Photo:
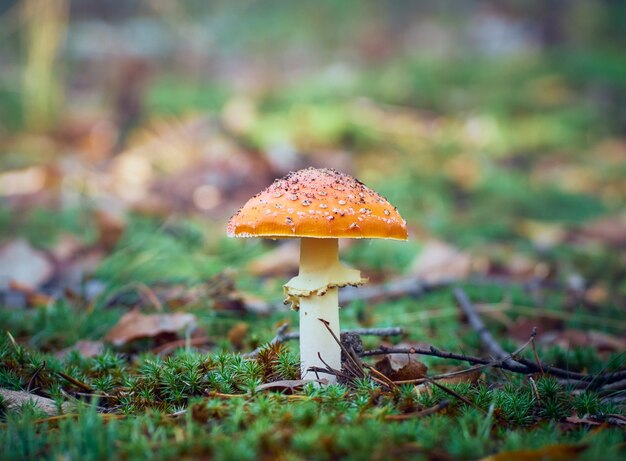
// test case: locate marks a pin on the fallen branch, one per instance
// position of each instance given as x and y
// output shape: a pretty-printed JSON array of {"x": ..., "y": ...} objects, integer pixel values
[
  {"x": 282, "y": 336},
  {"x": 521, "y": 365},
  {"x": 529, "y": 366},
  {"x": 503, "y": 360},
  {"x": 407, "y": 286},
  {"x": 494, "y": 348},
  {"x": 414, "y": 286}
]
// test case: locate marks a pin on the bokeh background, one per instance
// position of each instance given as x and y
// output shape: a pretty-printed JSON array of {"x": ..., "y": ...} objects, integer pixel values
[{"x": 130, "y": 132}]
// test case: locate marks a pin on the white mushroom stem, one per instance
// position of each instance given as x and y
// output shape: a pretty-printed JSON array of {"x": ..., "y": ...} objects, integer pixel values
[
  {"x": 314, "y": 293},
  {"x": 316, "y": 343},
  {"x": 314, "y": 336}
]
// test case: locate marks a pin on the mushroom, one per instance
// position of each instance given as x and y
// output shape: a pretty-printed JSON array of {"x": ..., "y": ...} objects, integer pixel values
[{"x": 319, "y": 206}]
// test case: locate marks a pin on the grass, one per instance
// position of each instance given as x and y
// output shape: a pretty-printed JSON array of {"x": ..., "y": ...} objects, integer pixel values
[
  {"x": 192, "y": 404},
  {"x": 488, "y": 169}
]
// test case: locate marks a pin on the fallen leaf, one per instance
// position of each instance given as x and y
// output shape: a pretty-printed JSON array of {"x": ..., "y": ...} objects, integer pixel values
[
  {"x": 281, "y": 261},
  {"x": 111, "y": 226},
  {"x": 571, "y": 338},
  {"x": 33, "y": 297},
  {"x": 438, "y": 262},
  {"x": 554, "y": 452},
  {"x": 86, "y": 348},
  {"x": 14, "y": 400},
  {"x": 135, "y": 325},
  {"x": 469, "y": 377},
  {"x": 413, "y": 369},
  {"x": 66, "y": 246},
  {"x": 241, "y": 302},
  {"x": 193, "y": 341},
  {"x": 73, "y": 272},
  {"x": 21, "y": 182},
  {"x": 21, "y": 263},
  {"x": 400, "y": 360},
  {"x": 610, "y": 230},
  {"x": 384, "y": 366},
  {"x": 237, "y": 334},
  {"x": 522, "y": 328}
]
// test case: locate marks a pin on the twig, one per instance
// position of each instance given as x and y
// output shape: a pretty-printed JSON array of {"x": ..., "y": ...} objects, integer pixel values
[
  {"x": 390, "y": 331},
  {"x": 414, "y": 286},
  {"x": 382, "y": 378},
  {"x": 432, "y": 351},
  {"x": 75, "y": 382},
  {"x": 407, "y": 286},
  {"x": 535, "y": 350},
  {"x": 419, "y": 414},
  {"x": 534, "y": 387},
  {"x": 282, "y": 336},
  {"x": 35, "y": 374},
  {"x": 471, "y": 369},
  {"x": 494, "y": 348},
  {"x": 594, "y": 380},
  {"x": 613, "y": 387},
  {"x": 528, "y": 366},
  {"x": 449, "y": 391},
  {"x": 338, "y": 341},
  {"x": 144, "y": 289},
  {"x": 521, "y": 365}
]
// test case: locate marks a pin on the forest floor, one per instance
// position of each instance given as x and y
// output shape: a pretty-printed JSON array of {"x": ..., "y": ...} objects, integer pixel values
[{"x": 128, "y": 319}]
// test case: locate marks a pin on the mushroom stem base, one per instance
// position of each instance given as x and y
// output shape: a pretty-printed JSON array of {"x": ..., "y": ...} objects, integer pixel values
[{"x": 314, "y": 336}]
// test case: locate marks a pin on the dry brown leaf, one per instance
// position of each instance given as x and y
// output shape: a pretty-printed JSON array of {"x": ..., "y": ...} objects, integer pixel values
[
  {"x": 610, "y": 230},
  {"x": 33, "y": 297},
  {"x": 241, "y": 302},
  {"x": 523, "y": 327},
  {"x": 555, "y": 452},
  {"x": 14, "y": 400},
  {"x": 135, "y": 325},
  {"x": 439, "y": 262},
  {"x": 469, "y": 377},
  {"x": 85, "y": 347},
  {"x": 26, "y": 181},
  {"x": 66, "y": 246},
  {"x": 73, "y": 271},
  {"x": 237, "y": 334},
  {"x": 412, "y": 369},
  {"x": 24, "y": 265},
  {"x": 111, "y": 226},
  {"x": 283, "y": 260},
  {"x": 571, "y": 338}
]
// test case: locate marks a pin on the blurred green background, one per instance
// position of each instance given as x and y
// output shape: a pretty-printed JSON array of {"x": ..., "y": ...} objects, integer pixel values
[{"x": 131, "y": 131}]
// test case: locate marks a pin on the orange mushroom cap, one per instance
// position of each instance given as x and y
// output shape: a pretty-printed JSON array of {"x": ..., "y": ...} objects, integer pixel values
[{"x": 318, "y": 203}]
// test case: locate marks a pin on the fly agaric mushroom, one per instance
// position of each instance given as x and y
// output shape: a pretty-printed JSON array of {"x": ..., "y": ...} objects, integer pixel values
[{"x": 319, "y": 206}]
